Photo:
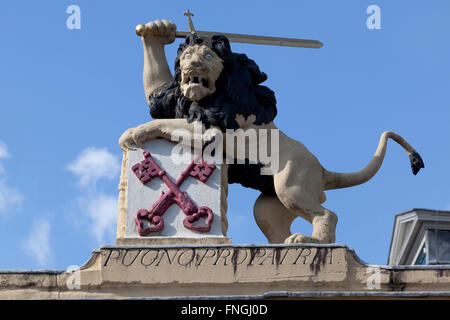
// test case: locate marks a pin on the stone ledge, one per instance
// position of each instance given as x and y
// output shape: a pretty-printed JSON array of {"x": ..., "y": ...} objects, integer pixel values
[
  {"x": 218, "y": 271},
  {"x": 172, "y": 241}
]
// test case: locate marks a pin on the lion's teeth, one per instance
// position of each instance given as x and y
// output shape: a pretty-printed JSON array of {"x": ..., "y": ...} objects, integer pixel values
[{"x": 198, "y": 80}]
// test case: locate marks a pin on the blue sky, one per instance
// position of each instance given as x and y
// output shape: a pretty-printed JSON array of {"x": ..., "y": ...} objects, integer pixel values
[{"x": 66, "y": 96}]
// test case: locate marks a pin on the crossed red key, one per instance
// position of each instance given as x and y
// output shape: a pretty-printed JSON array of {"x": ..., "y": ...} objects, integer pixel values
[{"x": 148, "y": 169}]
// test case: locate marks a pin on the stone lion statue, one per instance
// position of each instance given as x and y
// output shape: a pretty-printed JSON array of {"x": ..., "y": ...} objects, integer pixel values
[{"x": 215, "y": 87}]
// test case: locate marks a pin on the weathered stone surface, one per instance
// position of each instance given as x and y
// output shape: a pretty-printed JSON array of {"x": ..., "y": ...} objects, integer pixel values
[
  {"x": 259, "y": 271},
  {"x": 28, "y": 279},
  {"x": 222, "y": 264}
]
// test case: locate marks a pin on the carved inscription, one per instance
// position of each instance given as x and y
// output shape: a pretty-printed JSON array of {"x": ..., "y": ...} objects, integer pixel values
[{"x": 314, "y": 258}]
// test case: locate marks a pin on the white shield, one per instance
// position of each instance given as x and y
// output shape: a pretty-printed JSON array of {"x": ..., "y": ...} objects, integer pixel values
[{"x": 142, "y": 196}]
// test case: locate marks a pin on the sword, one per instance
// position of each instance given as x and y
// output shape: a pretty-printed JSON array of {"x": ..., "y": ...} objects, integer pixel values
[
  {"x": 243, "y": 38},
  {"x": 246, "y": 38}
]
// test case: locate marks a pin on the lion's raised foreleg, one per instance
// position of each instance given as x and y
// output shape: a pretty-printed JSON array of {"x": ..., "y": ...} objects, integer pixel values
[{"x": 155, "y": 35}]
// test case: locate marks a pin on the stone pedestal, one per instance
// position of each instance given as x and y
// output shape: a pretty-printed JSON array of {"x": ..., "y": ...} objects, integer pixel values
[
  {"x": 136, "y": 194},
  {"x": 228, "y": 271},
  {"x": 222, "y": 266}
]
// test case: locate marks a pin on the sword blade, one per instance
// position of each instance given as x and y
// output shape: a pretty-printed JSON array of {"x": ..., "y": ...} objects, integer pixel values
[{"x": 246, "y": 38}]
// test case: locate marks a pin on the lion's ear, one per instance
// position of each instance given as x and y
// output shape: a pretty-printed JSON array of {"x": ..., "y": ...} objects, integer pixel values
[{"x": 221, "y": 45}]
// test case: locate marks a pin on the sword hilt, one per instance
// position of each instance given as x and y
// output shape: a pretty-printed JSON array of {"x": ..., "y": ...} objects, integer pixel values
[{"x": 191, "y": 25}]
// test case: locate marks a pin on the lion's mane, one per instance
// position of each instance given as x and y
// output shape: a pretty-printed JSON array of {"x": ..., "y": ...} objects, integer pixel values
[{"x": 238, "y": 91}]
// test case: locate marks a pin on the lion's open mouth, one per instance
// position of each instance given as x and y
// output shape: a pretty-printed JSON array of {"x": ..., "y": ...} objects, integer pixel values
[
  {"x": 198, "y": 80},
  {"x": 195, "y": 80},
  {"x": 195, "y": 86}
]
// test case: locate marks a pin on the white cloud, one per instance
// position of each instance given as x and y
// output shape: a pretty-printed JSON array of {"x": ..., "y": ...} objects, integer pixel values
[
  {"x": 102, "y": 213},
  {"x": 93, "y": 164},
  {"x": 99, "y": 209},
  {"x": 3, "y": 150},
  {"x": 3, "y": 154},
  {"x": 9, "y": 197},
  {"x": 37, "y": 244}
]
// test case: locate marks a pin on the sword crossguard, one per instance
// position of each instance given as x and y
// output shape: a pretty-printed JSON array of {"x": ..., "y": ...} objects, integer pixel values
[{"x": 191, "y": 25}]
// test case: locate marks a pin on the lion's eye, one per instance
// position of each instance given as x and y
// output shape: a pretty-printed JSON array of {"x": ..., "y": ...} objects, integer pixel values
[
  {"x": 208, "y": 56},
  {"x": 187, "y": 56}
]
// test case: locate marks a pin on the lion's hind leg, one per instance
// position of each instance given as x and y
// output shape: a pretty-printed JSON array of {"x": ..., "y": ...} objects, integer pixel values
[
  {"x": 273, "y": 218},
  {"x": 324, "y": 227},
  {"x": 301, "y": 192}
]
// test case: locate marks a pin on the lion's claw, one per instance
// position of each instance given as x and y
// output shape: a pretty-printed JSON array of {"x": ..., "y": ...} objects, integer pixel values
[
  {"x": 139, "y": 136},
  {"x": 126, "y": 141},
  {"x": 300, "y": 238},
  {"x": 136, "y": 137}
]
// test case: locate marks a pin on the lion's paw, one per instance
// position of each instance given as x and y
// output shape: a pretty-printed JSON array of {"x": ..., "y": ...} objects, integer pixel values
[
  {"x": 136, "y": 137},
  {"x": 300, "y": 238},
  {"x": 139, "y": 135},
  {"x": 126, "y": 141},
  {"x": 163, "y": 30}
]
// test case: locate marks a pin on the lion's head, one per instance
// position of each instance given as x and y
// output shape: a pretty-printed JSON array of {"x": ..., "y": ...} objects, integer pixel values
[
  {"x": 200, "y": 67},
  {"x": 214, "y": 85}
]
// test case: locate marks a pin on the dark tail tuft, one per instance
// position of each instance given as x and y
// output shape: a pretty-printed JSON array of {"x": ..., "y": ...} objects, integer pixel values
[{"x": 416, "y": 162}]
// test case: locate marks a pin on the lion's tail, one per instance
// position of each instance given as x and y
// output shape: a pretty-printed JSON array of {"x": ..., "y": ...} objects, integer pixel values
[{"x": 335, "y": 180}]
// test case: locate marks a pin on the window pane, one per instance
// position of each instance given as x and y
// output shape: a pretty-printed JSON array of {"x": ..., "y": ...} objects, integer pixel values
[
  {"x": 438, "y": 246},
  {"x": 421, "y": 259}
]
